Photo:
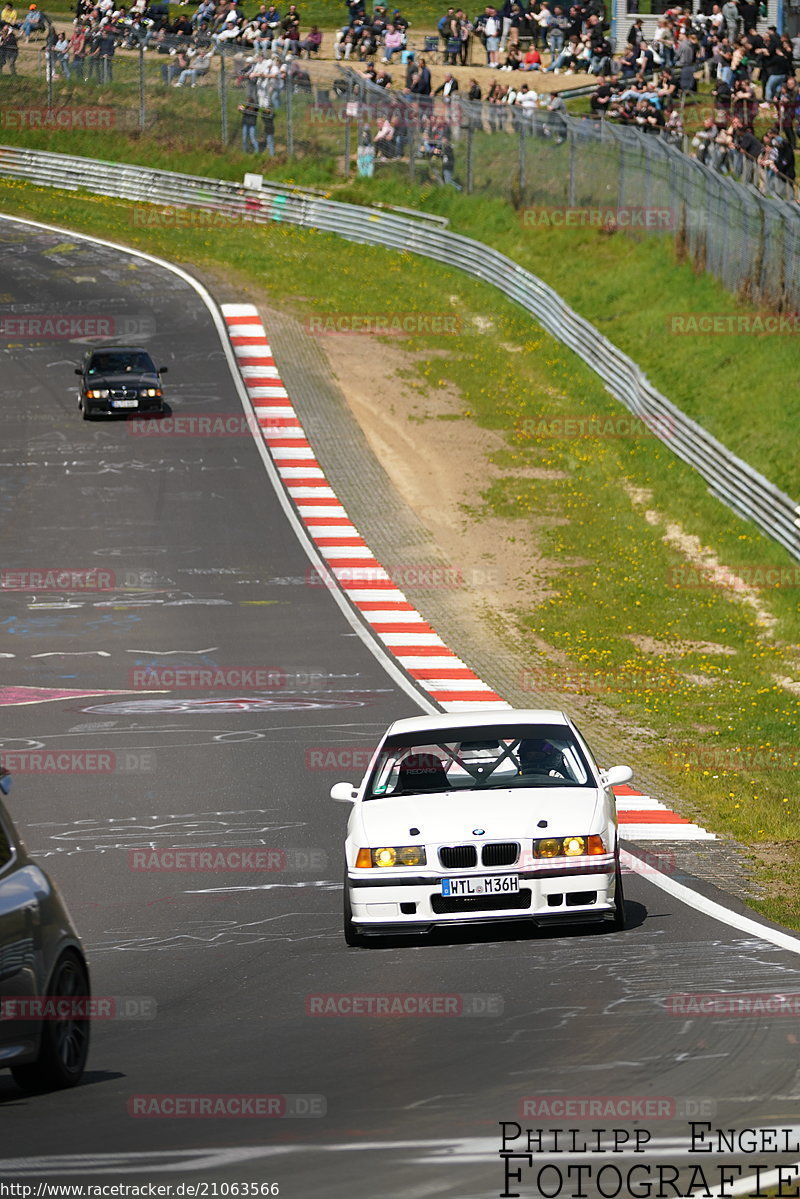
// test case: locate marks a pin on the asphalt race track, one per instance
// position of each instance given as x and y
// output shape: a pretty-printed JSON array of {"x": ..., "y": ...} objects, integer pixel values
[{"x": 202, "y": 569}]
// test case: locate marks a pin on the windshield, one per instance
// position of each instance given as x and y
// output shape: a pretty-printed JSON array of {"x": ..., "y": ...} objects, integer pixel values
[
  {"x": 469, "y": 759},
  {"x": 117, "y": 362}
]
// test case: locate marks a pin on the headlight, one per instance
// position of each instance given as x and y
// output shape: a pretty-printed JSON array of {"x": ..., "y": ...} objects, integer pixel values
[
  {"x": 569, "y": 847},
  {"x": 391, "y": 855},
  {"x": 150, "y": 391},
  {"x": 97, "y": 395}
]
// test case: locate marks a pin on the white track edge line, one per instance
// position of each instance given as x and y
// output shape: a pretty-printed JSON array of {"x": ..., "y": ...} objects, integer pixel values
[{"x": 710, "y": 907}]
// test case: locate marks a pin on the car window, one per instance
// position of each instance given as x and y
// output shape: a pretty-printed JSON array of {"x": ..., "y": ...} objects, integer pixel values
[
  {"x": 112, "y": 362},
  {"x": 452, "y": 760}
]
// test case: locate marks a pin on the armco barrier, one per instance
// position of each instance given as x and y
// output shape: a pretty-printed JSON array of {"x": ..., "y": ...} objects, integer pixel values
[{"x": 734, "y": 482}]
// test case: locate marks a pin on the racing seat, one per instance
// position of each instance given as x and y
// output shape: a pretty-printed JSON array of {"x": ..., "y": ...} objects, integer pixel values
[{"x": 422, "y": 772}]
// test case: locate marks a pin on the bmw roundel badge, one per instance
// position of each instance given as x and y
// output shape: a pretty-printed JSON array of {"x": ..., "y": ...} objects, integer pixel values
[{"x": 478, "y": 832}]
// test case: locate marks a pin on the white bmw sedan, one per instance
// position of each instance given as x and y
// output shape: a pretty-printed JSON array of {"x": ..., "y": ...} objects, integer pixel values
[{"x": 469, "y": 818}]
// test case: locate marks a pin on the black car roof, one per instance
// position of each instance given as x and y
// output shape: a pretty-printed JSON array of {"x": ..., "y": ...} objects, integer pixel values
[{"x": 106, "y": 347}]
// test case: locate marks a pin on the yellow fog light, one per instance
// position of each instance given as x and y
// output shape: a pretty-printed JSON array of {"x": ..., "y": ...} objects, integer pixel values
[
  {"x": 548, "y": 848},
  {"x": 574, "y": 846},
  {"x": 384, "y": 857},
  {"x": 411, "y": 855}
]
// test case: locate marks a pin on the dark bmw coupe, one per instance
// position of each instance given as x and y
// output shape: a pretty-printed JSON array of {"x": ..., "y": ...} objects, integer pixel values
[{"x": 119, "y": 379}]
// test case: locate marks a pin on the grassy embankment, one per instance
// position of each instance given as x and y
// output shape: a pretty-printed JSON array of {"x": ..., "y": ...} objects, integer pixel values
[{"x": 722, "y": 727}]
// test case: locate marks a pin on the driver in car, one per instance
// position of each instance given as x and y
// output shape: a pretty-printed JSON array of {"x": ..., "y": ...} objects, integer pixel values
[{"x": 537, "y": 755}]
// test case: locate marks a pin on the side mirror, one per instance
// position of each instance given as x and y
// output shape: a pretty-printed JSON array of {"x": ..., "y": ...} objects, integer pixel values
[
  {"x": 78, "y": 370},
  {"x": 5, "y": 781},
  {"x": 162, "y": 370},
  {"x": 344, "y": 792},
  {"x": 616, "y": 775}
]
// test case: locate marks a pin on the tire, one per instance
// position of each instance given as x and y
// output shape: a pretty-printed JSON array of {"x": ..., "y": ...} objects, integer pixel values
[
  {"x": 85, "y": 413},
  {"x": 64, "y": 1046},
  {"x": 618, "y": 919},
  {"x": 351, "y": 936}
]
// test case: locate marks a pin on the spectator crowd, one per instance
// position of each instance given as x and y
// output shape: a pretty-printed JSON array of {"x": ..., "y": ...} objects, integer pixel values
[{"x": 751, "y": 129}]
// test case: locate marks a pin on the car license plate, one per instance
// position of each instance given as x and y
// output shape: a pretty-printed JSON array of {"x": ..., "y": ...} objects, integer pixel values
[
  {"x": 124, "y": 403},
  {"x": 488, "y": 884}
]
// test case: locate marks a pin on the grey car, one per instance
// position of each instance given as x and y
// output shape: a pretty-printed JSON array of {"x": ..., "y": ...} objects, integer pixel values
[{"x": 44, "y": 979}]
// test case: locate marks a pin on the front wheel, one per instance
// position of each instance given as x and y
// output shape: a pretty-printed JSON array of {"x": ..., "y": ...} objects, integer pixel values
[
  {"x": 85, "y": 413},
  {"x": 64, "y": 1046},
  {"x": 351, "y": 936}
]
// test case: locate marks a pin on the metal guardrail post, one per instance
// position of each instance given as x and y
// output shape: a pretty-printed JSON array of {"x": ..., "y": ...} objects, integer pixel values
[
  {"x": 142, "y": 113},
  {"x": 571, "y": 182},
  {"x": 289, "y": 117},
  {"x": 347, "y": 131},
  {"x": 412, "y": 149},
  {"x": 470, "y": 132},
  {"x": 522, "y": 163},
  {"x": 223, "y": 99}
]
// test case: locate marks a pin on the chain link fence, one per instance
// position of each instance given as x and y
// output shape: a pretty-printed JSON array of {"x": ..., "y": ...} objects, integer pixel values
[{"x": 555, "y": 169}]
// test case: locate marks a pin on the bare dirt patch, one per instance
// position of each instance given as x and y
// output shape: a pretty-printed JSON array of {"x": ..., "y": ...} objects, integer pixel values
[
  {"x": 439, "y": 466},
  {"x": 678, "y": 648},
  {"x": 714, "y": 573}
]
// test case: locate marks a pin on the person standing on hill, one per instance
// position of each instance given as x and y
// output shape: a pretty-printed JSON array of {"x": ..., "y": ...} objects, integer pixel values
[
  {"x": 249, "y": 111},
  {"x": 730, "y": 13},
  {"x": 421, "y": 82},
  {"x": 268, "y": 129}
]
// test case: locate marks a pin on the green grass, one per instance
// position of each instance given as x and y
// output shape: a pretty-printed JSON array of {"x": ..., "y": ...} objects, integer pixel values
[{"x": 610, "y": 573}]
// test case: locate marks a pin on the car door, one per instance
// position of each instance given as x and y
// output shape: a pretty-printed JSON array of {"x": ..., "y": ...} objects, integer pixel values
[{"x": 19, "y": 920}]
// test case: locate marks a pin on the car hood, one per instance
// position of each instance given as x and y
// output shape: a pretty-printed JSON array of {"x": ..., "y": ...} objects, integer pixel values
[
  {"x": 503, "y": 815},
  {"x": 123, "y": 379}
]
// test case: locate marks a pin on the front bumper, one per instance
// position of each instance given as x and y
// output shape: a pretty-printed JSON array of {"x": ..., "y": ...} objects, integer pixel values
[
  {"x": 550, "y": 895},
  {"x": 151, "y": 405}
]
